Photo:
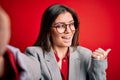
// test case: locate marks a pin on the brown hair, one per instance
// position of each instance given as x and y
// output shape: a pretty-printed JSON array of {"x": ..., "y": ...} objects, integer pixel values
[{"x": 44, "y": 40}]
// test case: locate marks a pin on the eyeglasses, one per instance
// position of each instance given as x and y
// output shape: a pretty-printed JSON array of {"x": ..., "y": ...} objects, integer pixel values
[{"x": 62, "y": 27}]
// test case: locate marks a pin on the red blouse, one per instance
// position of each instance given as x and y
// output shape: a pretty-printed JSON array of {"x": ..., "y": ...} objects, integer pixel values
[{"x": 65, "y": 66}]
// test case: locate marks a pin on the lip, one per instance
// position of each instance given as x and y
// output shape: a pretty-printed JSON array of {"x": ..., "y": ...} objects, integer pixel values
[{"x": 67, "y": 38}]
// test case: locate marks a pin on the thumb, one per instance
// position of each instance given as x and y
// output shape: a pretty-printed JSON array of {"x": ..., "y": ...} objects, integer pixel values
[{"x": 107, "y": 51}]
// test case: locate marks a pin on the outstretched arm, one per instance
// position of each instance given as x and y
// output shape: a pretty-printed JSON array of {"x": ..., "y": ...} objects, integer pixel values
[
  {"x": 99, "y": 64},
  {"x": 4, "y": 37},
  {"x": 100, "y": 54}
]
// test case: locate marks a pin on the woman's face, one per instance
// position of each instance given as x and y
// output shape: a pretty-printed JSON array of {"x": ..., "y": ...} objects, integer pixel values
[{"x": 62, "y": 30}]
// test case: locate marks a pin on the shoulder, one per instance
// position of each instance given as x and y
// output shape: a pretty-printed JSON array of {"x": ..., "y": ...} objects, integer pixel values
[
  {"x": 83, "y": 51},
  {"x": 18, "y": 55},
  {"x": 34, "y": 51},
  {"x": 21, "y": 61},
  {"x": 13, "y": 49}
]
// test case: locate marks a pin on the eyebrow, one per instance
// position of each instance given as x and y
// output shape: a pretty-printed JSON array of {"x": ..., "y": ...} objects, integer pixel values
[{"x": 63, "y": 22}]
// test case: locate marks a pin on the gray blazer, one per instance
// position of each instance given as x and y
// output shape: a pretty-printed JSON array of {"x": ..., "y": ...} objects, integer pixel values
[
  {"x": 24, "y": 63},
  {"x": 81, "y": 65}
]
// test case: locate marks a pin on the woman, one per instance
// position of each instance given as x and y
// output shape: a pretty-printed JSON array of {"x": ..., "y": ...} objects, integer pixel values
[{"x": 58, "y": 53}]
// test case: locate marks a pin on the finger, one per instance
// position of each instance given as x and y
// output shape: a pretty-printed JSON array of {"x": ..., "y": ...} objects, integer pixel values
[
  {"x": 101, "y": 50},
  {"x": 99, "y": 54},
  {"x": 97, "y": 57},
  {"x": 107, "y": 51},
  {"x": 96, "y": 53},
  {"x": 97, "y": 50}
]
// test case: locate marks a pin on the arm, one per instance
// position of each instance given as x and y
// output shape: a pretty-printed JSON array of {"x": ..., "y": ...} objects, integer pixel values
[
  {"x": 98, "y": 69},
  {"x": 33, "y": 64},
  {"x": 98, "y": 64},
  {"x": 29, "y": 67},
  {"x": 4, "y": 38}
]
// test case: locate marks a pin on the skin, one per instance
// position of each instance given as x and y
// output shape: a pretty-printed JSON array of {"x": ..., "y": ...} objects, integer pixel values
[
  {"x": 62, "y": 41},
  {"x": 4, "y": 37},
  {"x": 4, "y": 30},
  {"x": 100, "y": 54}
]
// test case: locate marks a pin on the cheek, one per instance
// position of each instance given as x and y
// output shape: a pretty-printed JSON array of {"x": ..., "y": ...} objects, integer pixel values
[
  {"x": 73, "y": 32},
  {"x": 55, "y": 36}
]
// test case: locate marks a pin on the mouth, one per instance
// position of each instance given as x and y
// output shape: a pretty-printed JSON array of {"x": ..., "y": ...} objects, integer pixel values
[{"x": 67, "y": 38}]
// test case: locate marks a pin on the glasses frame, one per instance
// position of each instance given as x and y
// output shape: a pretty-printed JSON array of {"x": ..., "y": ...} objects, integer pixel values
[{"x": 69, "y": 25}]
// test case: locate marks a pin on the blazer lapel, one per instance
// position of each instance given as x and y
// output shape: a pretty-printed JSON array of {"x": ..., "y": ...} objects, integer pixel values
[
  {"x": 52, "y": 65},
  {"x": 74, "y": 65}
]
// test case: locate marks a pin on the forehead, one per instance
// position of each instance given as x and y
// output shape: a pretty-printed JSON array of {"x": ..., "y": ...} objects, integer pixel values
[{"x": 64, "y": 17}]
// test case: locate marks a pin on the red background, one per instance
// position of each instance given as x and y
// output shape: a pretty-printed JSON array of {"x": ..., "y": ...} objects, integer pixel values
[{"x": 99, "y": 25}]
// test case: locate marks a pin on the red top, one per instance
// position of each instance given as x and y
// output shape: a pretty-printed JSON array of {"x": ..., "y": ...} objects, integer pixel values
[
  {"x": 65, "y": 66},
  {"x": 12, "y": 70}
]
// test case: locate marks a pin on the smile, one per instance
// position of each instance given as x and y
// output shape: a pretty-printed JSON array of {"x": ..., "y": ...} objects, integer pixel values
[{"x": 67, "y": 38}]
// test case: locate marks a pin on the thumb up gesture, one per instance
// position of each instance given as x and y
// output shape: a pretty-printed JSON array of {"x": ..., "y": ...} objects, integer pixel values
[{"x": 100, "y": 54}]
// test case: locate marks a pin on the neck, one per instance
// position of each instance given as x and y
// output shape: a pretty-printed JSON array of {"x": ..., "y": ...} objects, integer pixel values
[
  {"x": 61, "y": 51},
  {"x": 2, "y": 63}
]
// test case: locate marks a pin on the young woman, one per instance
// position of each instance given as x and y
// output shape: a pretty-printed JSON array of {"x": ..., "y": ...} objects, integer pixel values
[{"x": 57, "y": 51}]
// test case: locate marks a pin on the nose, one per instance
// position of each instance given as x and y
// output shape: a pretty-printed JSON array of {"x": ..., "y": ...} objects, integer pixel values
[{"x": 68, "y": 29}]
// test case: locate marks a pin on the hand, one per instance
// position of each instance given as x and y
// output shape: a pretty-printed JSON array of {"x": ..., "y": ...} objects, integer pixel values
[
  {"x": 4, "y": 30},
  {"x": 4, "y": 18},
  {"x": 100, "y": 54}
]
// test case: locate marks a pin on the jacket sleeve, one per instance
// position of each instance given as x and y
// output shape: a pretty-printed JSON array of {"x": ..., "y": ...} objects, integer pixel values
[
  {"x": 97, "y": 69},
  {"x": 28, "y": 64},
  {"x": 34, "y": 64}
]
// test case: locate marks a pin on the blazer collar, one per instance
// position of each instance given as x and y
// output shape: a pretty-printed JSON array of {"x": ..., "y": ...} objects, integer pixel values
[
  {"x": 52, "y": 65},
  {"x": 74, "y": 65}
]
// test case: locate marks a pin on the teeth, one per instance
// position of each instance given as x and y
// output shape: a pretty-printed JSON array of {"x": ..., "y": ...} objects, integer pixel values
[{"x": 66, "y": 37}]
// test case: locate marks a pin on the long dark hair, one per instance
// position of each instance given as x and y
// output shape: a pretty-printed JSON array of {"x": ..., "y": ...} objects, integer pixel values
[{"x": 49, "y": 16}]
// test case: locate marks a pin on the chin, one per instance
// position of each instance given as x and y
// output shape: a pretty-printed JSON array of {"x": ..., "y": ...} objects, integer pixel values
[{"x": 67, "y": 44}]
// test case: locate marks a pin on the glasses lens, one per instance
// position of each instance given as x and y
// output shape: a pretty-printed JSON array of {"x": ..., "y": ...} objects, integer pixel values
[
  {"x": 60, "y": 28},
  {"x": 72, "y": 26}
]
